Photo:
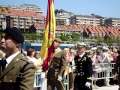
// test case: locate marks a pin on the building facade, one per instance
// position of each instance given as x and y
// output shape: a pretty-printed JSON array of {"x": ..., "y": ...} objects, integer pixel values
[
  {"x": 112, "y": 22},
  {"x": 85, "y": 19},
  {"x": 22, "y": 17},
  {"x": 63, "y": 17}
]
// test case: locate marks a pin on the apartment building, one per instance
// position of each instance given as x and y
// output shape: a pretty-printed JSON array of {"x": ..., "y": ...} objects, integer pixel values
[
  {"x": 22, "y": 17},
  {"x": 2, "y": 22},
  {"x": 112, "y": 22},
  {"x": 85, "y": 19},
  {"x": 63, "y": 17}
]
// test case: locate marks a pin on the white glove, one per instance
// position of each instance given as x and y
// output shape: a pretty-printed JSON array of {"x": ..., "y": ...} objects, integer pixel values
[
  {"x": 59, "y": 78},
  {"x": 88, "y": 84}
]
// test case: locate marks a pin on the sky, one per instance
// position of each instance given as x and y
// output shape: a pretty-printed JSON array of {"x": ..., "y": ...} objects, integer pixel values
[{"x": 105, "y": 8}]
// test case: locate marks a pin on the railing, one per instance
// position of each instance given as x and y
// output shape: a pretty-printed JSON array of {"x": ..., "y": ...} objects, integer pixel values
[
  {"x": 100, "y": 71},
  {"x": 103, "y": 71},
  {"x": 66, "y": 82},
  {"x": 40, "y": 82}
]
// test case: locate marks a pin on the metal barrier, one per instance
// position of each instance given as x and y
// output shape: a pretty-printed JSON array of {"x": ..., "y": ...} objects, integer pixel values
[
  {"x": 40, "y": 82},
  {"x": 66, "y": 82},
  {"x": 103, "y": 71}
]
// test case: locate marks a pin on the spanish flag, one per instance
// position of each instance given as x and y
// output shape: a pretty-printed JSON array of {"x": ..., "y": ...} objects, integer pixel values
[{"x": 49, "y": 34}]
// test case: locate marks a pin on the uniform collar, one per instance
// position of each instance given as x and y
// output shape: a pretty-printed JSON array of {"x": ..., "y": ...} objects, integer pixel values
[
  {"x": 81, "y": 55},
  {"x": 11, "y": 57}
]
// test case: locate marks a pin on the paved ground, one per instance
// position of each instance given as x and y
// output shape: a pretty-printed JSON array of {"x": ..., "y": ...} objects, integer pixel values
[{"x": 106, "y": 88}]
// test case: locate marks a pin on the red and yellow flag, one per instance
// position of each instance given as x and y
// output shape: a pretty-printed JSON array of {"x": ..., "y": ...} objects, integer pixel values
[{"x": 49, "y": 32}]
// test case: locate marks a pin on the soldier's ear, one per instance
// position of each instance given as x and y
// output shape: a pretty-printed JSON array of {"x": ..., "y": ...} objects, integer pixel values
[{"x": 19, "y": 46}]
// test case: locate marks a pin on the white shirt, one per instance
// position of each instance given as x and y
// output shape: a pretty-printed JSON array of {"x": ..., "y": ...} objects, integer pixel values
[{"x": 11, "y": 57}]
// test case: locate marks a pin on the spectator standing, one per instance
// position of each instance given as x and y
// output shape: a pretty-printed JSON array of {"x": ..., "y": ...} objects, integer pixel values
[
  {"x": 69, "y": 58},
  {"x": 2, "y": 46},
  {"x": 31, "y": 55},
  {"x": 106, "y": 61},
  {"x": 32, "y": 58},
  {"x": 117, "y": 68}
]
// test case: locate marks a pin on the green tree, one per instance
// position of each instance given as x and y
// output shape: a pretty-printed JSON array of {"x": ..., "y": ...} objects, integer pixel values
[
  {"x": 32, "y": 36},
  {"x": 75, "y": 36},
  {"x": 99, "y": 40},
  {"x": 65, "y": 37}
]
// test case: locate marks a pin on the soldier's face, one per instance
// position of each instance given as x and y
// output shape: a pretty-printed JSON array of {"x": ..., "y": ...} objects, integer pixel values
[
  {"x": 81, "y": 50},
  {"x": 10, "y": 43},
  {"x": 56, "y": 44}
]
